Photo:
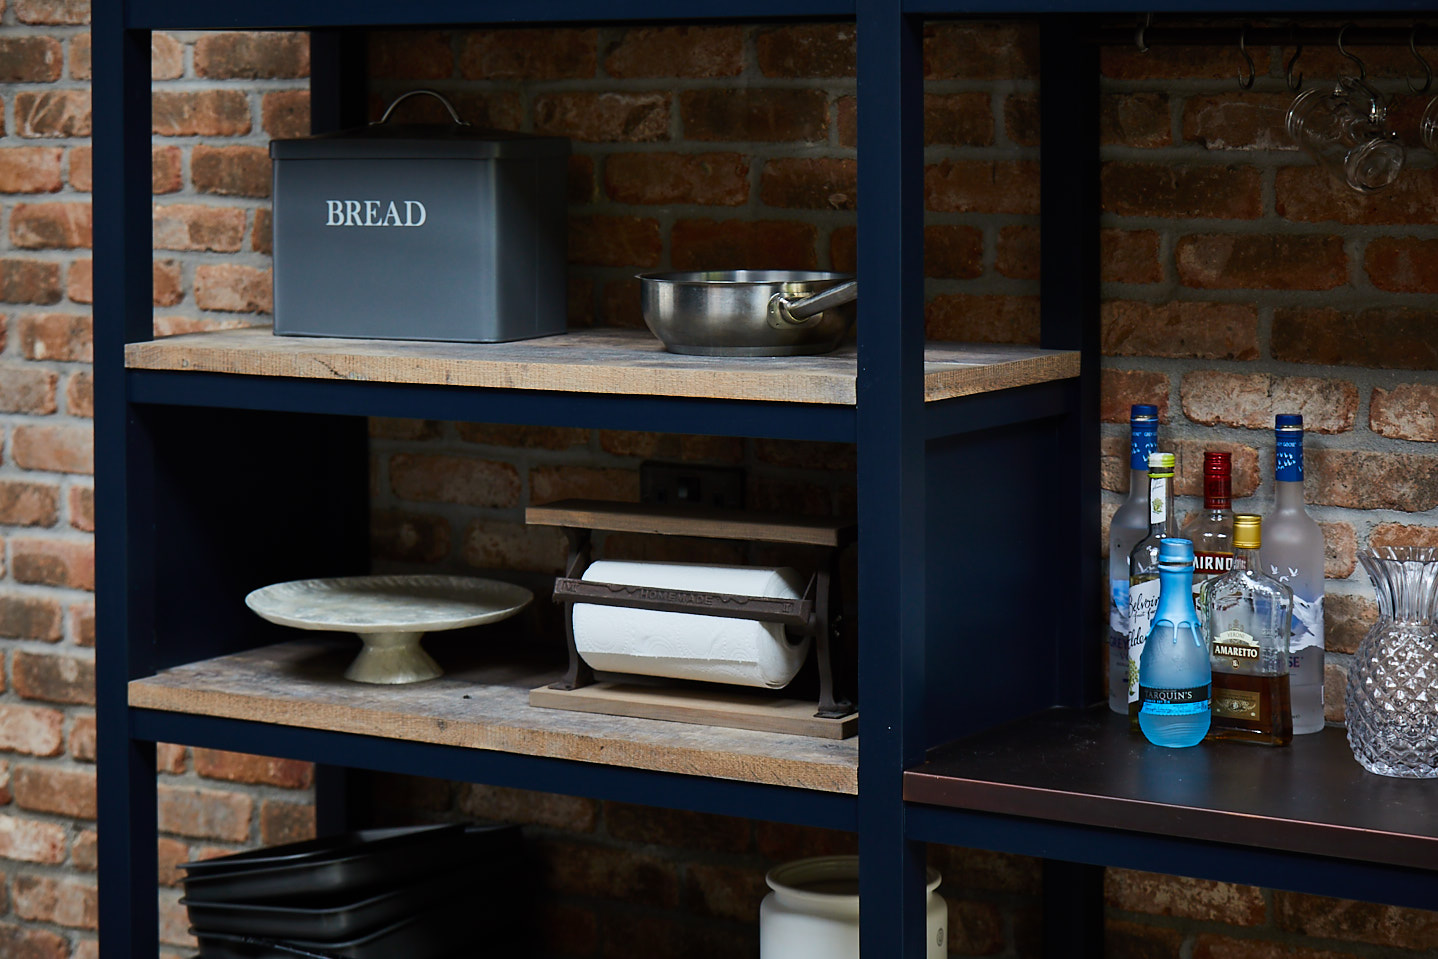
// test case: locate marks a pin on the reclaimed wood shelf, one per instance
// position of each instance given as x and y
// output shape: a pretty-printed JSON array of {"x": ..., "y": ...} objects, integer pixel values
[
  {"x": 630, "y": 362},
  {"x": 1087, "y": 768},
  {"x": 480, "y": 706},
  {"x": 692, "y": 521}
]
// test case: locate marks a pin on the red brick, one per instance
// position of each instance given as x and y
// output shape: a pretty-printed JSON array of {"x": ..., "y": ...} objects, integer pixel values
[
  {"x": 615, "y": 241},
  {"x": 1360, "y": 479},
  {"x": 53, "y": 113},
  {"x": 818, "y": 50},
  {"x": 743, "y": 244},
  {"x": 1240, "y": 261},
  {"x": 1201, "y": 899},
  {"x": 1380, "y": 925},
  {"x": 234, "y": 289},
  {"x": 64, "y": 902},
  {"x": 166, "y": 170},
  {"x": 167, "y": 285},
  {"x": 1402, "y": 264},
  {"x": 80, "y": 281},
  {"x": 647, "y": 825},
  {"x": 205, "y": 813},
  {"x": 57, "y": 336},
  {"x": 27, "y": 840},
  {"x": 262, "y": 238},
  {"x": 51, "y": 226},
  {"x": 204, "y": 113},
  {"x": 1135, "y": 120},
  {"x": 975, "y": 928},
  {"x": 82, "y": 174},
  {"x": 51, "y": 677},
  {"x": 722, "y": 891},
  {"x": 496, "y": 544},
  {"x": 34, "y": 730},
  {"x": 1180, "y": 330},
  {"x": 529, "y": 54},
  {"x": 256, "y": 770},
  {"x": 678, "y": 51},
  {"x": 1018, "y": 253},
  {"x": 82, "y": 739},
  {"x": 409, "y": 537},
  {"x": 175, "y": 924},
  {"x": 1389, "y": 338},
  {"x": 171, "y": 853},
  {"x": 184, "y": 226},
  {"x": 170, "y": 758},
  {"x": 810, "y": 183},
  {"x": 80, "y": 68},
  {"x": 1348, "y": 617},
  {"x": 580, "y": 180},
  {"x": 569, "y": 813},
  {"x": 612, "y": 117},
  {"x": 625, "y": 875},
  {"x": 80, "y": 395},
  {"x": 1340, "y": 550},
  {"x": 1129, "y": 256},
  {"x": 983, "y": 319},
  {"x": 1129, "y": 940},
  {"x": 1247, "y": 400},
  {"x": 167, "y": 57},
  {"x": 26, "y": 389},
  {"x": 1407, "y": 412},
  {"x": 1181, "y": 192},
  {"x": 1120, "y": 389},
  {"x": 780, "y": 841},
  {"x": 982, "y": 186},
  {"x": 30, "y": 169},
  {"x": 528, "y": 437},
  {"x": 1238, "y": 121},
  {"x": 550, "y": 483},
  {"x": 28, "y": 504},
  {"x": 953, "y": 252},
  {"x": 712, "y": 179},
  {"x": 454, "y": 479},
  {"x": 30, "y": 59},
  {"x": 285, "y": 113},
  {"x": 53, "y": 563},
  {"x": 282, "y": 822},
  {"x": 1210, "y": 946},
  {"x": 1021, "y": 119},
  {"x": 1171, "y": 63},
  {"x": 30, "y": 617},
  {"x": 410, "y": 54},
  {"x": 1309, "y": 194},
  {"x": 958, "y": 119},
  {"x": 672, "y": 446},
  {"x": 63, "y": 792},
  {"x": 749, "y": 114},
  {"x": 20, "y": 942},
  {"x": 979, "y": 51},
  {"x": 29, "y": 281},
  {"x": 848, "y": 121},
  {"x": 57, "y": 12},
  {"x": 250, "y": 56},
  {"x": 231, "y": 171},
  {"x": 981, "y": 869}
]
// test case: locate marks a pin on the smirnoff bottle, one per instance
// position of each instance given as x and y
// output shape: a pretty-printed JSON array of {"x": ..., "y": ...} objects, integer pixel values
[
  {"x": 1292, "y": 553},
  {"x": 1143, "y": 578},
  {"x": 1212, "y": 530},
  {"x": 1128, "y": 526},
  {"x": 1248, "y": 616},
  {"x": 1174, "y": 675}
]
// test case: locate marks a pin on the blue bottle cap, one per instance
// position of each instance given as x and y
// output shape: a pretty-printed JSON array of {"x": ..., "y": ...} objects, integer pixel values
[
  {"x": 1175, "y": 551},
  {"x": 1145, "y": 411},
  {"x": 1288, "y": 421}
]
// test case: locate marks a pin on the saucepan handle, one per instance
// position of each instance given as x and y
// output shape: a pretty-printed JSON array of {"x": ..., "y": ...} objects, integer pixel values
[{"x": 794, "y": 310}]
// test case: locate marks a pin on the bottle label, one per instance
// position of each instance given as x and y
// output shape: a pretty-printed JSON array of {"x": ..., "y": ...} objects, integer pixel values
[
  {"x": 1174, "y": 702},
  {"x": 1157, "y": 502},
  {"x": 1211, "y": 564},
  {"x": 1234, "y": 644},
  {"x": 1307, "y": 628},
  {"x": 1143, "y": 440},
  {"x": 1235, "y": 704},
  {"x": 1142, "y": 605},
  {"x": 1288, "y": 456}
]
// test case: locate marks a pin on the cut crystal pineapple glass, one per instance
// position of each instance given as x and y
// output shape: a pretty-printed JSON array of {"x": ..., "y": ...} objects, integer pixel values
[{"x": 1392, "y": 697}]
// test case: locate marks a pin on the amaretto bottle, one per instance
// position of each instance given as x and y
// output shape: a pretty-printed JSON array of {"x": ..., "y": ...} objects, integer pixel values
[
  {"x": 1128, "y": 526},
  {"x": 1292, "y": 553},
  {"x": 1211, "y": 530},
  {"x": 1173, "y": 675},
  {"x": 1143, "y": 582},
  {"x": 1247, "y": 613}
]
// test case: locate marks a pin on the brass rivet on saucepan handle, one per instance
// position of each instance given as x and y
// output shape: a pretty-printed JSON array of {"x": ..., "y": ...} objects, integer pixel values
[{"x": 790, "y": 311}]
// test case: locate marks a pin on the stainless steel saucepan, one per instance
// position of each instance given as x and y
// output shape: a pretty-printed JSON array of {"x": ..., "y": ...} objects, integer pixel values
[{"x": 749, "y": 312}]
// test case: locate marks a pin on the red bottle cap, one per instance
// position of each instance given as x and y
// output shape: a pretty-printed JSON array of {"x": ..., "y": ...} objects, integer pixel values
[{"x": 1217, "y": 487}]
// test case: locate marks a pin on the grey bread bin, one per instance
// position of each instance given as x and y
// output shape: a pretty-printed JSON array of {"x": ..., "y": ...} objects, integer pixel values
[{"x": 420, "y": 232}]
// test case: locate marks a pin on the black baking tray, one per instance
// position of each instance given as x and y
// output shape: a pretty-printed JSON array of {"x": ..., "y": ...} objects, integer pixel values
[
  {"x": 438, "y": 933},
  {"x": 340, "y": 870}
]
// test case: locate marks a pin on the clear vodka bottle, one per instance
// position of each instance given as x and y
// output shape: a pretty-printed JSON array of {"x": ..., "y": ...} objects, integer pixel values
[
  {"x": 1128, "y": 526},
  {"x": 1174, "y": 675},
  {"x": 1143, "y": 581}
]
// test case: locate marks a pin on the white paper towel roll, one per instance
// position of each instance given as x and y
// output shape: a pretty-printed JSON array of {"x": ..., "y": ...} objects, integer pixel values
[{"x": 687, "y": 645}]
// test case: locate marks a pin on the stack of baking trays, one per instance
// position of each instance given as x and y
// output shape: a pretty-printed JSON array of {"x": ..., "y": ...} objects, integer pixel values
[{"x": 425, "y": 892}]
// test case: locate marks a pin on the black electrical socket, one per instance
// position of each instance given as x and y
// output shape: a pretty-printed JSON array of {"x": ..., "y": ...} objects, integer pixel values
[{"x": 682, "y": 484}]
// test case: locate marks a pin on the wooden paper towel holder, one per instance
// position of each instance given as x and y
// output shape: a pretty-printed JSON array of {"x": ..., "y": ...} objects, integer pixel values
[{"x": 815, "y": 614}]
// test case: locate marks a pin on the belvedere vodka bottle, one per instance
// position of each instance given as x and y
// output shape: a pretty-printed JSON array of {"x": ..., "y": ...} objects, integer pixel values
[
  {"x": 1248, "y": 620},
  {"x": 1292, "y": 553},
  {"x": 1128, "y": 526},
  {"x": 1212, "y": 529},
  {"x": 1173, "y": 674},
  {"x": 1143, "y": 581}
]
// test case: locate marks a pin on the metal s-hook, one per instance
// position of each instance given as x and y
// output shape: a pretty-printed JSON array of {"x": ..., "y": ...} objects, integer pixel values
[
  {"x": 1138, "y": 35},
  {"x": 1246, "y": 83},
  {"x": 1294, "y": 82},
  {"x": 1362, "y": 70},
  {"x": 1427, "y": 70}
]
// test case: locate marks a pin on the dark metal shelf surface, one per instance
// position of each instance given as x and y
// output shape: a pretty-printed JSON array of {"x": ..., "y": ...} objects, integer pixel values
[{"x": 1086, "y": 768}]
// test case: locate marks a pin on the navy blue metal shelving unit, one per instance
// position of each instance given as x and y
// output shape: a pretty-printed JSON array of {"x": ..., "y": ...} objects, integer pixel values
[{"x": 927, "y": 557}]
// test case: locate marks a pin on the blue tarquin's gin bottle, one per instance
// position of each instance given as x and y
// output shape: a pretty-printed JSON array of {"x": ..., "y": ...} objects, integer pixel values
[{"x": 1174, "y": 674}]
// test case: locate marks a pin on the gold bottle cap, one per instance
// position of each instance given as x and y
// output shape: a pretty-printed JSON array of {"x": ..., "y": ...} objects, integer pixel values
[{"x": 1247, "y": 531}]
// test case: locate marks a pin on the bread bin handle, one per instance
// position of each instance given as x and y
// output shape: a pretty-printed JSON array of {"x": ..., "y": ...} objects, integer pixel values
[{"x": 454, "y": 114}]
